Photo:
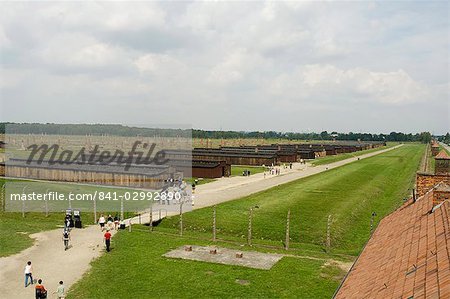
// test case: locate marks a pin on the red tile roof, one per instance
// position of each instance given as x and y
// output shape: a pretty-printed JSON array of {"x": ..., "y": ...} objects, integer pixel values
[
  {"x": 408, "y": 256},
  {"x": 442, "y": 155}
]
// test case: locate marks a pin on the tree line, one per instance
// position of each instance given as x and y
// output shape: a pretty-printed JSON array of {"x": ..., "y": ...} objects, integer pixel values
[
  {"x": 445, "y": 138},
  {"x": 121, "y": 130}
]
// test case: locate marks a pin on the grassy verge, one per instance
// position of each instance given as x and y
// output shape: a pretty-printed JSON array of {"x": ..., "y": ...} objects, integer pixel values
[
  {"x": 340, "y": 157},
  {"x": 135, "y": 267},
  {"x": 15, "y": 230},
  {"x": 236, "y": 170}
]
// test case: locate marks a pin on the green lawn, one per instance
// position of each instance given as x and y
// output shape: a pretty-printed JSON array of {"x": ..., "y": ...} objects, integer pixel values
[
  {"x": 236, "y": 170},
  {"x": 350, "y": 193},
  {"x": 340, "y": 157},
  {"x": 15, "y": 230},
  {"x": 13, "y": 224},
  {"x": 135, "y": 268}
]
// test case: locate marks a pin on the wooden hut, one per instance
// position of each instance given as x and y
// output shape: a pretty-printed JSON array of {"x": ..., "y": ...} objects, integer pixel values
[{"x": 149, "y": 177}]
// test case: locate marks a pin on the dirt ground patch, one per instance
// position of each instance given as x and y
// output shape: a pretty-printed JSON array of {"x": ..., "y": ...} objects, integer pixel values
[{"x": 226, "y": 256}]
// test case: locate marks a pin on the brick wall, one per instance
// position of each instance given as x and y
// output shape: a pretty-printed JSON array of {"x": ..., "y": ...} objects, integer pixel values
[
  {"x": 440, "y": 196},
  {"x": 442, "y": 166},
  {"x": 425, "y": 181},
  {"x": 435, "y": 150}
]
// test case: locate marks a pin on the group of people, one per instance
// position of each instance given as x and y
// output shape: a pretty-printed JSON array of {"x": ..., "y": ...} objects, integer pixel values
[
  {"x": 274, "y": 171},
  {"x": 40, "y": 291},
  {"x": 108, "y": 223}
]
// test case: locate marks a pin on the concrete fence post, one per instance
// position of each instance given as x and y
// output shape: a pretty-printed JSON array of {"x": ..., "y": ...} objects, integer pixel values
[
  {"x": 249, "y": 236},
  {"x": 181, "y": 219},
  {"x": 286, "y": 244},
  {"x": 23, "y": 202},
  {"x": 95, "y": 211},
  {"x": 329, "y": 233},
  {"x": 3, "y": 195},
  {"x": 46, "y": 204},
  {"x": 121, "y": 208},
  {"x": 151, "y": 216},
  {"x": 214, "y": 224}
]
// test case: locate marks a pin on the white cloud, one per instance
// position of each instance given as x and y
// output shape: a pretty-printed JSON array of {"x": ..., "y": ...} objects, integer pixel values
[
  {"x": 159, "y": 64},
  {"x": 328, "y": 83},
  {"x": 78, "y": 50},
  {"x": 212, "y": 63}
]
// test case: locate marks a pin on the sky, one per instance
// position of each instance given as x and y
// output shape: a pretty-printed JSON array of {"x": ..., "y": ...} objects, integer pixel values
[{"x": 284, "y": 66}]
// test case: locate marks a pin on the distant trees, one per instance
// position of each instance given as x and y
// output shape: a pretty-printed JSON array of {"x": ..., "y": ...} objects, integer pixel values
[
  {"x": 121, "y": 130},
  {"x": 445, "y": 138}
]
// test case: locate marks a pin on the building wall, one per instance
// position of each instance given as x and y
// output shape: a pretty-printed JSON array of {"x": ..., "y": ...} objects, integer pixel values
[
  {"x": 219, "y": 171},
  {"x": 288, "y": 158},
  {"x": 424, "y": 181},
  {"x": 236, "y": 160},
  {"x": 101, "y": 178},
  {"x": 440, "y": 196},
  {"x": 434, "y": 150},
  {"x": 442, "y": 166}
]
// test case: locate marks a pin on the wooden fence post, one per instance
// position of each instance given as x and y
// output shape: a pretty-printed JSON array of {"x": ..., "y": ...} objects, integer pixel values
[{"x": 286, "y": 245}]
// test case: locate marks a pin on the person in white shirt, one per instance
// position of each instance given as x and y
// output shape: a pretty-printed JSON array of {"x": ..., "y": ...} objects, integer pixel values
[
  {"x": 28, "y": 273},
  {"x": 60, "y": 291},
  {"x": 102, "y": 221}
]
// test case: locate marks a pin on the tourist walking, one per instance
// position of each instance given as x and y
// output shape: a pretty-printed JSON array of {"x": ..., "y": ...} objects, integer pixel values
[
  {"x": 60, "y": 291},
  {"x": 110, "y": 222},
  {"x": 28, "y": 273},
  {"x": 66, "y": 238},
  {"x": 107, "y": 240},
  {"x": 41, "y": 292},
  {"x": 102, "y": 221},
  {"x": 116, "y": 222}
]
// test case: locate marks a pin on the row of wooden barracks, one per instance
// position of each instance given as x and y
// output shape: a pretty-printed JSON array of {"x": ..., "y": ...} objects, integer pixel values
[
  {"x": 199, "y": 163},
  {"x": 269, "y": 155}
]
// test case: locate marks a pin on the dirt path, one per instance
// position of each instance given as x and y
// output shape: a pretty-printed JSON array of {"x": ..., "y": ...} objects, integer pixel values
[{"x": 52, "y": 263}]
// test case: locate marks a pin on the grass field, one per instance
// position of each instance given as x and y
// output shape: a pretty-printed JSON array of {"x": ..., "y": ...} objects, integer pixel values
[
  {"x": 340, "y": 157},
  {"x": 13, "y": 224},
  {"x": 236, "y": 170},
  {"x": 349, "y": 193},
  {"x": 15, "y": 230},
  {"x": 135, "y": 267}
]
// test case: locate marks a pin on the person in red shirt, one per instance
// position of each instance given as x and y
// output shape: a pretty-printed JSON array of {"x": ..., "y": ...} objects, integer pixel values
[
  {"x": 41, "y": 292},
  {"x": 107, "y": 239}
]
